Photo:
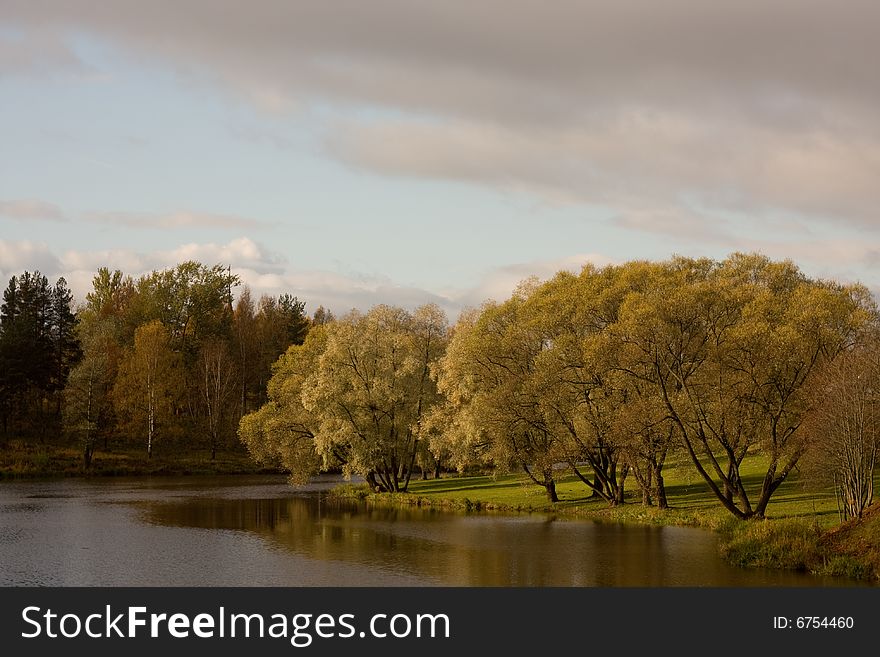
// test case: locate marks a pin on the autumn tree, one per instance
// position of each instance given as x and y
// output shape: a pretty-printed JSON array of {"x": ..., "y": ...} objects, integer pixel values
[
  {"x": 279, "y": 323},
  {"x": 244, "y": 333},
  {"x": 843, "y": 427},
  {"x": 148, "y": 384},
  {"x": 577, "y": 395},
  {"x": 322, "y": 316},
  {"x": 373, "y": 390},
  {"x": 729, "y": 347},
  {"x": 487, "y": 379},
  {"x": 281, "y": 433},
  {"x": 218, "y": 385},
  {"x": 87, "y": 397}
]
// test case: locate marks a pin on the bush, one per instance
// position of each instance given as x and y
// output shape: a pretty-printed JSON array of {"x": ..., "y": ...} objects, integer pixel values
[{"x": 786, "y": 544}]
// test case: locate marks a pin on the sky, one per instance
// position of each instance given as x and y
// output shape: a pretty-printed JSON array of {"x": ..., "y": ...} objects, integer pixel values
[{"x": 408, "y": 152}]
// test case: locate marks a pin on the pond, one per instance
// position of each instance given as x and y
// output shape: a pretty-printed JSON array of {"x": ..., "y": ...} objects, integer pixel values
[{"x": 259, "y": 531}]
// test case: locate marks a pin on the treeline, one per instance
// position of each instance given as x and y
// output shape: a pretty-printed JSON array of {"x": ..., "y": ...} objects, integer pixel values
[
  {"x": 602, "y": 375},
  {"x": 166, "y": 358}
]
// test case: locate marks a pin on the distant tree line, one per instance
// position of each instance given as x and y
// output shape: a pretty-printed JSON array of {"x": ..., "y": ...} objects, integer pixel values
[
  {"x": 167, "y": 358},
  {"x": 602, "y": 375}
]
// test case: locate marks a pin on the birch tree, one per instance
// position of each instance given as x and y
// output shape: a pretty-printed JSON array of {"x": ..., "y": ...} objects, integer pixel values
[
  {"x": 218, "y": 383},
  {"x": 148, "y": 383}
]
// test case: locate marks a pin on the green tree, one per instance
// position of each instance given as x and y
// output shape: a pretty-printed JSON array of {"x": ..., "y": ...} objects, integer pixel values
[
  {"x": 38, "y": 347},
  {"x": 281, "y": 433},
  {"x": 729, "y": 347},
  {"x": 88, "y": 411},
  {"x": 487, "y": 377},
  {"x": 193, "y": 301},
  {"x": 373, "y": 390},
  {"x": 279, "y": 323}
]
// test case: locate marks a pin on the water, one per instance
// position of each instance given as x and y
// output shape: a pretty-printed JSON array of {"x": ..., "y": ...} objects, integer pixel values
[{"x": 258, "y": 531}]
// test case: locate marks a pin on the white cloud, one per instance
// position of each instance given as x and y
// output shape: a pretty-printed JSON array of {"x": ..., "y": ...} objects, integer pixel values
[
  {"x": 499, "y": 283},
  {"x": 16, "y": 257},
  {"x": 26, "y": 209}
]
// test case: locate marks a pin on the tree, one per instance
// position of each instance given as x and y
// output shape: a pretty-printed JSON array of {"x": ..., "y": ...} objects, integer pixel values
[
  {"x": 842, "y": 426},
  {"x": 218, "y": 378},
  {"x": 66, "y": 350},
  {"x": 87, "y": 396},
  {"x": 487, "y": 379},
  {"x": 646, "y": 435},
  {"x": 322, "y": 316},
  {"x": 38, "y": 347},
  {"x": 279, "y": 323},
  {"x": 148, "y": 384},
  {"x": 372, "y": 390},
  {"x": 282, "y": 431},
  {"x": 244, "y": 330},
  {"x": 576, "y": 392},
  {"x": 193, "y": 302},
  {"x": 729, "y": 348}
]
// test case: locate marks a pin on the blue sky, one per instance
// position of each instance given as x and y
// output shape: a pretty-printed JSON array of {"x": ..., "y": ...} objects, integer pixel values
[{"x": 414, "y": 153}]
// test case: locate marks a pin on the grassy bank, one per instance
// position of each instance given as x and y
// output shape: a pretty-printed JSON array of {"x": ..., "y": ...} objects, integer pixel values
[
  {"x": 24, "y": 460},
  {"x": 802, "y": 530}
]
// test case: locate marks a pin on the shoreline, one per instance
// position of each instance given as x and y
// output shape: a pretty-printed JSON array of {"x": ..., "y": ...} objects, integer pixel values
[
  {"x": 850, "y": 549},
  {"x": 21, "y": 461}
]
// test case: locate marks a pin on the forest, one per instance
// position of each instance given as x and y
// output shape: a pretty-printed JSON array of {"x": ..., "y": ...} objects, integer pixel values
[
  {"x": 166, "y": 361},
  {"x": 605, "y": 375}
]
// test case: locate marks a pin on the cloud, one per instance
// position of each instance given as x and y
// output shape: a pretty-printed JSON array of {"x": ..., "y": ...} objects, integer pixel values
[
  {"x": 679, "y": 224},
  {"x": 35, "y": 209},
  {"x": 636, "y": 161},
  {"x": 748, "y": 106},
  {"x": 175, "y": 220},
  {"x": 499, "y": 283},
  {"x": 19, "y": 256},
  {"x": 38, "y": 52},
  {"x": 680, "y": 117},
  {"x": 343, "y": 292},
  {"x": 26, "y": 209}
]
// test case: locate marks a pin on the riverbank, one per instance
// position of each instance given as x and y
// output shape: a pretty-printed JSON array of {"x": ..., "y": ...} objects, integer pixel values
[
  {"x": 802, "y": 530},
  {"x": 26, "y": 460}
]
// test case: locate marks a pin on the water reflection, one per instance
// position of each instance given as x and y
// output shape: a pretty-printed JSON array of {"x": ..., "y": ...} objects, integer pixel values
[{"x": 472, "y": 550}]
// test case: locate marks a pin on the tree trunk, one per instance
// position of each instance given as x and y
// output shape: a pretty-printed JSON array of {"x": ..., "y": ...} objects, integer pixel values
[
  {"x": 551, "y": 491},
  {"x": 550, "y": 485},
  {"x": 660, "y": 488}
]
